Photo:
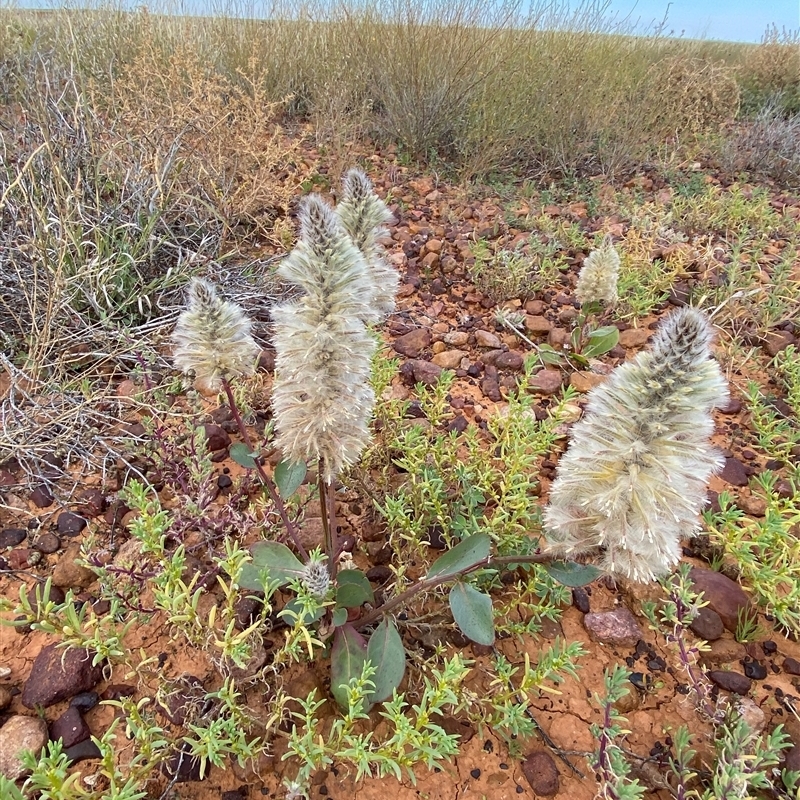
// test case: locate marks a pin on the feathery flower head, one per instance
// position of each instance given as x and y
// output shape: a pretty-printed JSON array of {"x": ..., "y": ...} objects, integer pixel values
[
  {"x": 365, "y": 217},
  {"x": 212, "y": 338},
  {"x": 315, "y": 576},
  {"x": 597, "y": 280},
  {"x": 322, "y": 397},
  {"x": 327, "y": 266},
  {"x": 633, "y": 480}
]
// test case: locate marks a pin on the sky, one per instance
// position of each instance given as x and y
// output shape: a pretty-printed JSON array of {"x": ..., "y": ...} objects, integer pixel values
[{"x": 732, "y": 20}]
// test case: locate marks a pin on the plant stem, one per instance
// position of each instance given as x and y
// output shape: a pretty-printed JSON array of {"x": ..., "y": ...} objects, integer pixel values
[
  {"x": 328, "y": 518},
  {"x": 265, "y": 479},
  {"x": 431, "y": 583}
]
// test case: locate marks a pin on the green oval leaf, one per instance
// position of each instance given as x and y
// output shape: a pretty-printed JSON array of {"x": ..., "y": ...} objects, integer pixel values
[
  {"x": 548, "y": 355},
  {"x": 353, "y": 589},
  {"x": 282, "y": 564},
  {"x": 339, "y": 617},
  {"x": 386, "y": 653},
  {"x": 472, "y": 611},
  {"x": 471, "y": 550},
  {"x": 348, "y": 655},
  {"x": 570, "y": 573},
  {"x": 289, "y": 475},
  {"x": 242, "y": 455},
  {"x": 600, "y": 341}
]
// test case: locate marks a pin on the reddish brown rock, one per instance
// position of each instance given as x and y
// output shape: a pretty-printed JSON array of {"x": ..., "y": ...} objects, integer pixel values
[
  {"x": 617, "y": 627},
  {"x": 730, "y": 681},
  {"x": 425, "y": 372},
  {"x": 541, "y": 773},
  {"x": 707, "y": 625},
  {"x": 722, "y": 594},
  {"x": 413, "y": 343},
  {"x": 449, "y": 359},
  {"x": 634, "y": 337},
  {"x": 537, "y": 325},
  {"x": 546, "y": 381},
  {"x": 58, "y": 674},
  {"x": 585, "y": 381},
  {"x": 488, "y": 340},
  {"x": 734, "y": 473},
  {"x": 70, "y": 727},
  {"x": 776, "y": 341}
]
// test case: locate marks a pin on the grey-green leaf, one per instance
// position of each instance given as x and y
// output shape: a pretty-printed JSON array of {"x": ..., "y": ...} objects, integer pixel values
[
  {"x": 353, "y": 588},
  {"x": 289, "y": 475},
  {"x": 472, "y": 611},
  {"x": 282, "y": 564},
  {"x": 339, "y": 617},
  {"x": 570, "y": 573},
  {"x": 600, "y": 341},
  {"x": 348, "y": 655},
  {"x": 469, "y": 551},
  {"x": 241, "y": 454},
  {"x": 386, "y": 653}
]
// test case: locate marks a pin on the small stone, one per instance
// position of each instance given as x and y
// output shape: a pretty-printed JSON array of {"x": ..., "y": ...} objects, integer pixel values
[
  {"x": 456, "y": 338},
  {"x": 707, "y": 625},
  {"x": 85, "y": 701},
  {"x": 68, "y": 573},
  {"x": 245, "y": 611},
  {"x": 412, "y": 343},
  {"x": 546, "y": 382},
  {"x": 70, "y": 524},
  {"x": 723, "y": 651},
  {"x": 752, "y": 714},
  {"x": 47, "y": 543},
  {"x": 722, "y": 594},
  {"x": 82, "y": 751},
  {"x": 11, "y": 537},
  {"x": 585, "y": 381},
  {"x": 734, "y": 472},
  {"x": 379, "y": 574},
  {"x": 5, "y": 697},
  {"x": 791, "y": 666},
  {"x": 58, "y": 674},
  {"x": 17, "y": 735},
  {"x": 217, "y": 438},
  {"x": 70, "y": 727},
  {"x": 511, "y": 361},
  {"x": 730, "y": 681},
  {"x": 93, "y": 502},
  {"x": 580, "y": 599},
  {"x": 755, "y": 670},
  {"x": 776, "y": 341},
  {"x": 733, "y": 406},
  {"x": 488, "y": 340},
  {"x": 634, "y": 337},
  {"x": 426, "y": 373},
  {"x": 537, "y": 325},
  {"x": 792, "y": 762},
  {"x": 41, "y": 496},
  {"x": 23, "y": 557},
  {"x": 449, "y": 359},
  {"x": 541, "y": 773},
  {"x": 753, "y": 505},
  {"x": 491, "y": 389},
  {"x": 617, "y": 627}
]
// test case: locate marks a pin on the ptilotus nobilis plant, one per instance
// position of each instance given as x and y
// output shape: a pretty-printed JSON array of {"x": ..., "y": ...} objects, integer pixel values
[
  {"x": 212, "y": 338},
  {"x": 633, "y": 480},
  {"x": 597, "y": 280},
  {"x": 365, "y": 217},
  {"x": 322, "y": 397}
]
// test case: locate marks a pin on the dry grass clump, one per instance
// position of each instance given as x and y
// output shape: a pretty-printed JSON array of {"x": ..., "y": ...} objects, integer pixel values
[
  {"x": 770, "y": 73},
  {"x": 767, "y": 147},
  {"x": 689, "y": 97}
]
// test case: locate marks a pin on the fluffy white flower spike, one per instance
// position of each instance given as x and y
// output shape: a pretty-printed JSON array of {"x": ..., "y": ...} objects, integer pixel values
[
  {"x": 365, "y": 217},
  {"x": 328, "y": 266},
  {"x": 597, "y": 280},
  {"x": 633, "y": 480},
  {"x": 212, "y": 338},
  {"x": 322, "y": 397}
]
